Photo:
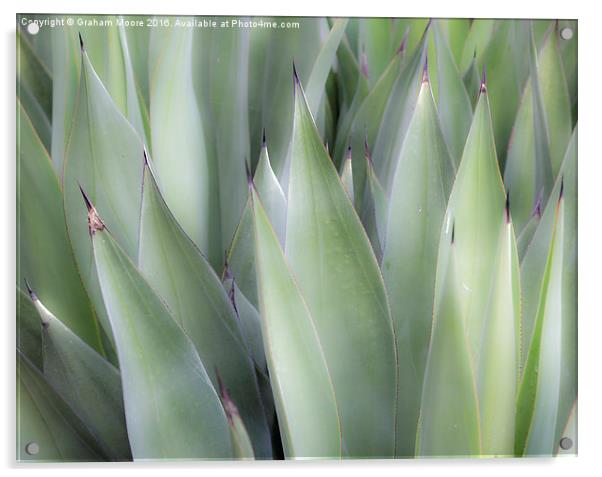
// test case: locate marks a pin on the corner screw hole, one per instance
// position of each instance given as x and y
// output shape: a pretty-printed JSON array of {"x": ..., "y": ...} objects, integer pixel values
[
  {"x": 32, "y": 448},
  {"x": 566, "y": 33},
  {"x": 566, "y": 443}
]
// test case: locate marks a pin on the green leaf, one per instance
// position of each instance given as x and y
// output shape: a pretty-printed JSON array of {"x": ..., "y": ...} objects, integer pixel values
[
  {"x": 45, "y": 257},
  {"x": 249, "y": 322},
  {"x": 374, "y": 209},
  {"x": 187, "y": 176},
  {"x": 449, "y": 416},
  {"x": 339, "y": 278},
  {"x": 456, "y": 30},
  {"x": 375, "y": 40},
  {"x": 241, "y": 254},
  {"x": 396, "y": 118},
  {"x": 472, "y": 81},
  {"x": 86, "y": 381},
  {"x": 29, "y": 330},
  {"x": 528, "y": 171},
  {"x": 499, "y": 360},
  {"x": 533, "y": 273},
  {"x": 367, "y": 122},
  {"x": 539, "y": 392},
  {"x": 45, "y": 419},
  {"x": 474, "y": 206},
  {"x": 526, "y": 235},
  {"x": 172, "y": 410},
  {"x": 506, "y": 77},
  {"x": 477, "y": 40},
  {"x": 66, "y": 66},
  {"x": 104, "y": 157},
  {"x": 421, "y": 186},
  {"x": 317, "y": 78},
  {"x": 555, "y": 97},
  {"x": 229, "y": 79},
  {"x": 534, "y": 262},
  {"x": 301, "y": 383},
  {"x": 184, "y": 279},
  {"x": 34, "y": 87},
  {"x": 455, "y": 110},
  {"x": 243, "y": 449},
  {"x": 347, "y": 177}
]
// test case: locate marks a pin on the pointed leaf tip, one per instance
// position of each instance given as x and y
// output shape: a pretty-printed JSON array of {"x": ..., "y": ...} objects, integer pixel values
[
  {"x": 403, "y": 44},
  {"x": 145, "y": 156},
  {"x": 295, "y": 75},
  {"x": 507, "y": 207},
  {"x": 483, "y": 88},
  {"x": 263, "y": 141},
  {"x": 249, "y": 175},
  {"x": 364, "y": 64},
  {"x": 453, "y": 234},
  {"x": 425, "y": 70},
  {"x": 81, "y": 41},
  {"x": 95, "y": 223},
  {"x": 31, "y": 293},
  {"x": 561, "y": 195}
]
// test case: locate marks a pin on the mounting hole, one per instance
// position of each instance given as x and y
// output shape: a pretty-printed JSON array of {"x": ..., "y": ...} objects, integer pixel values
[
  {"x": 32, "y": 448},
  {"x": 566, "y": 443},
  {"x": 566, "y": 33},
  {"x": 33, "y": 28}
]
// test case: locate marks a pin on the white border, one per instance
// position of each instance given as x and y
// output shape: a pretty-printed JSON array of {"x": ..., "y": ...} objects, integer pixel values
[{"x": 590, "y": 215}]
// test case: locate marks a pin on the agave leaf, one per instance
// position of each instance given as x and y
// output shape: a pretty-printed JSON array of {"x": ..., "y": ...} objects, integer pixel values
[
  {"x": 396, "y": 118},
  {"x": 455, "y": 110},
  {"x": 347, "y": 117},
  {"x": 472, "y": 81},
  {"x": 187, "y": 176},
  {"x": 348, "y": 73},
  {"x": 499, "y": 359},
  {"x": 555, "y": 97},
  {"x": 534, "y": 262},
  {"x": 159, "y": 365},
  {"x": 229, "y": 76},
  {"x": 421, "y": 186},
  {"x": 301, "y": 382},
  {"x": 66, "y": 66},
  {"x": 184, "y": 279},
  {"x": 29, "y": 330},
  {"x": 533, "y": 269},
  {"x": 478, "y": 38},
  {"x": 86, "y": 381},
  {"x": 539, "y": 392},
  {"x": 526, "y": 235},
  {"x": 449, "y": 416},
  {"x": 134, "y": 108},
  {"x": 249, "y": 322},
  {"x": 367, "y": 122},
  {"x": 45, "y": 419},
  {"x": 102, "y": 141},
  {"x": 241, "y": 255},
  {"x": 339, "y": 277},
  {"x": 347, "y": 176},
  {"x": 374, "y": 209},
  {"x": 455, "y": 30},
  {"x": 301, "y": 45},
  {"x": 319, "y": 73},
  {"x": 505, "y": 82},
  {"x": 243, "y": 449},
  {"x": 34, "y": 88},
  {"x": 474, "y": 204},
  {"x": 375, "y": 41},
  {"x": 44, "y": 255},
  {"x": 568, "y": 49},
  {"x": 528, "y": 171}
]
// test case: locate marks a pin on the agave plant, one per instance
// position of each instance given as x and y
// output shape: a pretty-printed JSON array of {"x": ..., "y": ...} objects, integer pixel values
[{"x": 328, "y": 238}]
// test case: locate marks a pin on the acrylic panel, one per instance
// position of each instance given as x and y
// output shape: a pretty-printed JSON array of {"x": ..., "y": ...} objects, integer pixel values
[{"x": 295, "y": 238}]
